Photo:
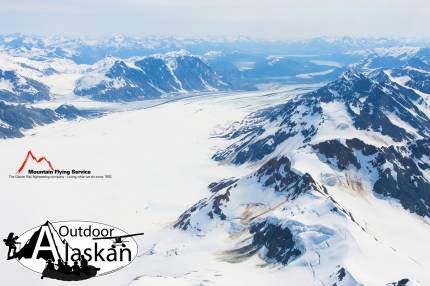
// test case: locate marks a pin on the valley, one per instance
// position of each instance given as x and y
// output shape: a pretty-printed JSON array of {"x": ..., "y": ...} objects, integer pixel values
[
  {"x": 169, "y": 159},
  {"x": 252, "y": 166}
]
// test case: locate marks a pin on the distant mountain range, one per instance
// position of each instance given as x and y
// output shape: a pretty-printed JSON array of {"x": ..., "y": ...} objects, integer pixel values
[
  {"x": 325, "y": 167},
  {"x": 91, "y": 50},
  {"x": 124, "y": 69},
  {"x": 133, "y": 68}
]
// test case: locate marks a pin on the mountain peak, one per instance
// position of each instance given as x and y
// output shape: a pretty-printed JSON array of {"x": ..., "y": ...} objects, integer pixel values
[
  {"x": 352, "y": 74},
  {"x": 180, "y": 53}
]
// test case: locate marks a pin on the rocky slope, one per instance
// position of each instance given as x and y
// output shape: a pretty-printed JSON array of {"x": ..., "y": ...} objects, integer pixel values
[
  {"x": 319, "y": 155},
  {"x": 14, "y": 119},
  {"x": 149, "y": 77},
  {"x": 17, "y": 88}
]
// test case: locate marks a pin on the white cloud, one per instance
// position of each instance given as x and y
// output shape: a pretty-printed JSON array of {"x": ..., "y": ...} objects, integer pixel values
[{"x": 262, "y": 18}]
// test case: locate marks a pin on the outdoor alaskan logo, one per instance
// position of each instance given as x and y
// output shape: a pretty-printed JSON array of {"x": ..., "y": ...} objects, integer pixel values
[{"x": 73, "y": 250}]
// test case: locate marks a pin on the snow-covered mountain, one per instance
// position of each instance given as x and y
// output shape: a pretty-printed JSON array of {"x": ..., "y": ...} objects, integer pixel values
[
  {"x": 326, "y": 188},
  {"x": 325, "y": 163},
  {"x": 396, "y": 57},
  {"x": 14, "y": 119},
  {"x": 111, "y": 79},
  {"x": 149, "y": 77},
  {"x": 17, "y": 88},
  {"x": 91, "y": 50},
  {"x": 413, "y": 78},
  {"x": 243, "y": 63},
  {"x": 407, "y": 66}
]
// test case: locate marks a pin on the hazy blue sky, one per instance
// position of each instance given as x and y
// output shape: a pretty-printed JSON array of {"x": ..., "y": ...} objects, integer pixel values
[{"x": 256, "y": 18}]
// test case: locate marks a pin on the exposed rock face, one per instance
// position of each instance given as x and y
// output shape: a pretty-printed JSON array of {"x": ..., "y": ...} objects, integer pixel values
[
  {"x": 15, "y": 118},
  {"x": 148, "y": 78},
  {"x": 402, "y": 282},
  {"x": 370, "y": 105},
  {"x": 400, "y": 170},
  {"x": 417, "y": 79},
  {"x": 17, "y": 88},
  {"x": 271, "y": 236},
  {"x": 277, "y": 241},
  {"x": 373, "y": 104},
  {"x": 366, "y": 126},
  {"x": 342, "y": 277},
  {"x": 276, "y": 174},
  {"x": 333, "y": 149}
]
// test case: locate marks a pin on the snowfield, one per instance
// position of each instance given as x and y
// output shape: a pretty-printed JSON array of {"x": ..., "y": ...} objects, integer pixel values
[
  {"x": 159, "y": 154},
  {"x": 159, "y": 157},
  {"x": 324, "y": 184}
]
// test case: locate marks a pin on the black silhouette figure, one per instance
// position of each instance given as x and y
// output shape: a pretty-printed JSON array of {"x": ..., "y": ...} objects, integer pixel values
[
  {"x": 67, "y": 268},
  {"x": 50, "y": 265},
  {"x": 27, "y": 250},
  {"x": 61, "y": 266},
  {"x": 84, "y": 265},
  {"x": 76, "y": 269},
  {"x": 64, "y": 272},
  {"x": 11, "y": 242}
]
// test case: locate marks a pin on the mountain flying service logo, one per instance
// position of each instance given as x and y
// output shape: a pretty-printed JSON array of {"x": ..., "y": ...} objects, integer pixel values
[
  {"x": 40, "y": 167},
  {"x": 37, "y": 160},
  {"x": 73, "y": 250}
]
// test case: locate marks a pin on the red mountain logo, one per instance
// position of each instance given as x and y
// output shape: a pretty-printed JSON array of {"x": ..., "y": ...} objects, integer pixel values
[{"x": 37, "y": 160}]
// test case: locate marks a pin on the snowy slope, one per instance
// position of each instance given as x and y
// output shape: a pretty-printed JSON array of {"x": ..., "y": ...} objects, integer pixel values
[
  {"x": 17, "y": 88},
  {"x": 330, "y": 187},
  {"x": 293, "y": 215},
  {"x": 110, "y": 79},
  {"x": 90, "y": 50},
  {"x": 396, "y": 57},
  {"x": 341, "y": 172},
  {"x": 15, "y": 120},
  {"x": 57, "y": 75},
  {"x": 163, "y": 153},
  {"x": 147, "y": 78}
]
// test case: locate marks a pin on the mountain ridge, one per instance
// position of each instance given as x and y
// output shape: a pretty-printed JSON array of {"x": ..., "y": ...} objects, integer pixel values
[{"x": 360, "y": 138}]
